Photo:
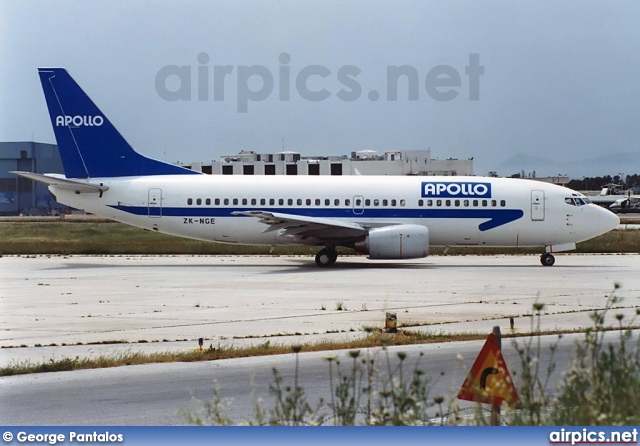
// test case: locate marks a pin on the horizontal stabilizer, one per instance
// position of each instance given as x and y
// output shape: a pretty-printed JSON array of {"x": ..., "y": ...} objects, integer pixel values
[{"x": 63, "y": 183}]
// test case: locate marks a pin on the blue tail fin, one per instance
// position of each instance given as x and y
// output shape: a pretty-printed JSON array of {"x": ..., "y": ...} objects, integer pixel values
[{"x": 89, "y": 144}]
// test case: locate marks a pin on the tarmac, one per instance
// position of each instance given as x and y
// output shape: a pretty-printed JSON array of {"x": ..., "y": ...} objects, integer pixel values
[{"x": 68, "y": 306}]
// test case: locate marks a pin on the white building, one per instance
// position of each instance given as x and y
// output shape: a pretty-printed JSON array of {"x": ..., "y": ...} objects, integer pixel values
[{"x": 363, "y": 162}]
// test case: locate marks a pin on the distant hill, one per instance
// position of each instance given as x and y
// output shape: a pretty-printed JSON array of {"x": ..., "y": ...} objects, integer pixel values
[{"x": 613, "y": 164}]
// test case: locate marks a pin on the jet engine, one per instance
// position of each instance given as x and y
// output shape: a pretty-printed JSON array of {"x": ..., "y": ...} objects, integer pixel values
[{"x": 395, "y": 242}]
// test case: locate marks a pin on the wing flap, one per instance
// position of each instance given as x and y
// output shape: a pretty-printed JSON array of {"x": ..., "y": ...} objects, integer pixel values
[{"x": 300, "y": 226}]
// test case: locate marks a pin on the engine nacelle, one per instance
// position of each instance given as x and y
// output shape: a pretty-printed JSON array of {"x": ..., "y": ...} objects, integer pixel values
[{"x": 396, "y": 242}]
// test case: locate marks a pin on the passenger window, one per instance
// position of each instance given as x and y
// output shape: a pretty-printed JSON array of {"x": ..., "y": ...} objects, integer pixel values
[
  {"x": 429, "y": 203},
  {"x": 376, "y": 202},
  {"x": 475, "y": 203},
  {"x": 402, "y": 202},
  {"x": 272, "y": 201},
  {"x": 457, "y": 203},
  {"x": 420, "y": 203},
  {"x": 336, "y": 202},
  {"x": 217, "y": 202},
  {"x": 493, "y": 203},
  {"x": 226, "y": 202},
  {"x": 503, "y": 203},
  {"x": 199, "y": 201},
  {"x": 393, "y": 202},
  {"x": 308, "y": 201},
  {"x": 317, "y": 202},
  {"x": 447, "y": 203},
  {"x": 189, "y": 201},
  {"x": 358, "y": 202},
  {"x": 299, "y": 201},
  {"x": 347, "y": 202},
  {"x": 484, "y": 203},
  {"x": 235, "y": 201},
  {"x": 367, "y": 202},
  {"x": 290, "y": 201},
  {"x": 327, "y": 202},
  {"x": 207, "y": 201},
  {"x": 244, "y": 201},
  {"x": 466, "y": 203},
  {"x": 263, "y": 201},
  {"x": 438, "y": 202},
  {"x": 385, "y": 202},
  {"x": 281, "y": 201}
]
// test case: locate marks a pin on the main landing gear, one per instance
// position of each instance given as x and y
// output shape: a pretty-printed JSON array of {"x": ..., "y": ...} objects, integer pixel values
[
  {"x": 326, "y": 257},
  {"x": 547, "y": 259}
]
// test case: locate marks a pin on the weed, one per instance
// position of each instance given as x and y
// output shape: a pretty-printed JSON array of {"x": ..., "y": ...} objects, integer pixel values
[
  {"x": 215, "y": 410},
  {"x": 601, "y": 388},
  {"x": 603, "y": 385}
]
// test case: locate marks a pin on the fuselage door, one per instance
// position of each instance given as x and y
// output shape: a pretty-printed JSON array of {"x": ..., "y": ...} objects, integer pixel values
[
  {"x": 155, "y": 202},
  {"x": 537, "y": 205},
  {"x": 358, "y": 205}
]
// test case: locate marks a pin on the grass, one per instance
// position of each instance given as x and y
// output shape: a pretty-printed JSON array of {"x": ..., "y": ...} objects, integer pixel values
[
  {"x": 109, "y": 238},
  {"x": 103, "y": 238},
  {"x": 375, "y": 338},
  {"x": 227, "y": 352}
]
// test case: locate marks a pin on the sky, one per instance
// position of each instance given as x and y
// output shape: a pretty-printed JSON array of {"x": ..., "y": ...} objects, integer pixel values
[{"x": 551, "y": 86}]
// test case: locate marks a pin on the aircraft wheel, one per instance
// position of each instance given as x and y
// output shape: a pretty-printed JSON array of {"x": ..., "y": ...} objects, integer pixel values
[
  {"x": 326, "y": 257},
  {"x": 547, "y": 259}
]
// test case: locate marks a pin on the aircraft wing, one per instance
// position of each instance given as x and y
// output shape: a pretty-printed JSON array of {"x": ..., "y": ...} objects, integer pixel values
[
  {"x": 62, "y": 183},
  {"x": 303, "y": 228}
]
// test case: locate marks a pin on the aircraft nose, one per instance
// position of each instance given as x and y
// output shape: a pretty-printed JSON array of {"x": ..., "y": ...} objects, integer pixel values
[{"x": 607, "y": 220}]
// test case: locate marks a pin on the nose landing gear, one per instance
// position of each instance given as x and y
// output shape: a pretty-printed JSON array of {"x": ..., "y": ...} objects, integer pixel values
[{"x": 547, "y": 259}]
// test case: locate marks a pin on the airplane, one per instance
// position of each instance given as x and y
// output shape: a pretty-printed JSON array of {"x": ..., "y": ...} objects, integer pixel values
[
  {"x": 383, "y": 217},
  {"x": 628, "y": 205},
  {"x": 610, "y": 194}
]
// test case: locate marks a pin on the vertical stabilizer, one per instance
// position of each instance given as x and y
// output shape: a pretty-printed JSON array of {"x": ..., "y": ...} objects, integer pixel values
[{"x": 89, "y": 144}]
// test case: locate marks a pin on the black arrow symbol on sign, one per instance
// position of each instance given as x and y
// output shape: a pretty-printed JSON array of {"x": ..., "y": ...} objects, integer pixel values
[{"x": 485, "y": 374}]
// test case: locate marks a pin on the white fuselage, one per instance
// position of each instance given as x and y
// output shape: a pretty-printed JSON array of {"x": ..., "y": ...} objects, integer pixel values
[{"x": 517, "y": 213}]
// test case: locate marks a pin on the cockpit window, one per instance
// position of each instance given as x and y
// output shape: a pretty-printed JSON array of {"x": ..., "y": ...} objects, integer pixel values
[
  {"x": 586, "y": 200},
  {"x": 576, "y": 201}
]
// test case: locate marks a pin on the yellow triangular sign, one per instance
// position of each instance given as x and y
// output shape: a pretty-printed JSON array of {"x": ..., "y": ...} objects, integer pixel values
[{"x": 489, "y": 380}]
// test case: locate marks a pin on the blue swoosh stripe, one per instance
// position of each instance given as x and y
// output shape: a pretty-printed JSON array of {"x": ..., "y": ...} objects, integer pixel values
[{"x": 496, "y": 217}]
